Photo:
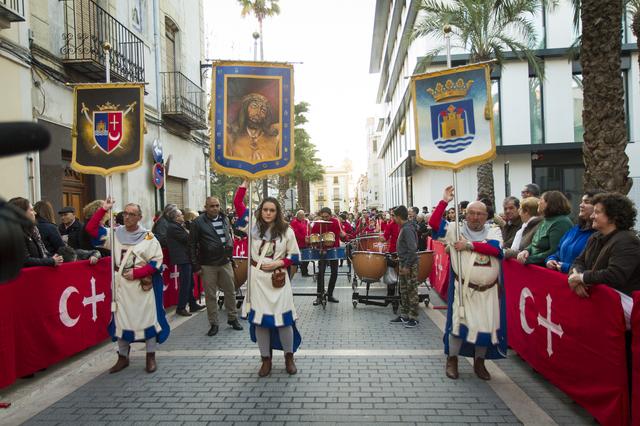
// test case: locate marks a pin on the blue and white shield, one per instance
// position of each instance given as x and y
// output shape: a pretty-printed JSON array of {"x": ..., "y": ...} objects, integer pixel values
[{"x": 452, "y": 125}]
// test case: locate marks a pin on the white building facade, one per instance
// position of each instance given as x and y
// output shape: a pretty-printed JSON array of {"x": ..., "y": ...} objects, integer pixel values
[
  {"x": 160, "y": 42},
  {"x": 538, "y": 122},
  {"x": 334, "y": 190},
  {"x": 374, "y": 195}
]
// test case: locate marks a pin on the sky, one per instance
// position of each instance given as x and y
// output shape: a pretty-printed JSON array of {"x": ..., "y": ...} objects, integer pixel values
[{"x": 329, "y": 44}]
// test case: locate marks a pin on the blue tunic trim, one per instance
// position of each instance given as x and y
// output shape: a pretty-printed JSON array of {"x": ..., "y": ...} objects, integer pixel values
[
  {"x": 268, "y": 321},
  {"x": 149, "y": 332},
  {"x": 497, "y": 351}
]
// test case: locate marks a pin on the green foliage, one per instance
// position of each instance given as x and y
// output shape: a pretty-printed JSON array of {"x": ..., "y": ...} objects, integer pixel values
[
  {"x": 308, "y": 166},
  {"x": 260, "y": 8},
  {"x": 223, "y": 187},
  {"x": 485, "y": 28}
]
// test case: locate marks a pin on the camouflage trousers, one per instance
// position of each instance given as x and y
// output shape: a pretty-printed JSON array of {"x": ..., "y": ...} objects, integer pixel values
[{"x": 409, "y": 299}]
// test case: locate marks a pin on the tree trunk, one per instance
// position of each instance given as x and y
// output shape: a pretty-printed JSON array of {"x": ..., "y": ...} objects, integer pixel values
[
  {"x": 283, "y": 186},
  {"x": 485, "y": 182},
  {"x": 605, "y": 132},
  {"x": 303, "y": 195},
  {"x": 261, "y": 44}
]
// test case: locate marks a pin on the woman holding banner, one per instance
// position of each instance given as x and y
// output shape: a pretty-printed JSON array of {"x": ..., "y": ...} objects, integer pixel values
[{"x": 269, "y": 303}]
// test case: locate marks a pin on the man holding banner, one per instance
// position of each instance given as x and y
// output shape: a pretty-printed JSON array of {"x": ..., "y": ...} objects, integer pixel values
[
  {"x": 476, "y": 319},
  {"x": 139, "y": 314}
]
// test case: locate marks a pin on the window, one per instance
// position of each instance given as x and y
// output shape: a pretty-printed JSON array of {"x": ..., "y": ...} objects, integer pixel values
[
  {"x": 171, "y": 35},
  {"x": 336, "y": 193},
  {"x": 536, "y": 123},
  {"x": 375, "y": 145},
  {"x": 335, "y": 180},
  {"x": 495, "y": 98},
  {"x": 576, "y": 90},
  {"x": 336, "y": 207}
]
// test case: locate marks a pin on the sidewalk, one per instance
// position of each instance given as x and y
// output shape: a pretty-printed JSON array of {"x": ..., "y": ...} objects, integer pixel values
[{"x": 353, "y": 367}]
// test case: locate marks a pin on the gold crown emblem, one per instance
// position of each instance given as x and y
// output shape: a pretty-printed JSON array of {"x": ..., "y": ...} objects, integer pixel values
[
  {"x": 450, "y": 90},
  {"x": 108, "y": 107}
]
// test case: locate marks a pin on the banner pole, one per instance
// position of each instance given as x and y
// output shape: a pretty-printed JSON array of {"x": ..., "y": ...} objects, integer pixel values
[
  {"x": 447, "y": 38},
  {"x": 109, "y": 181},
  {"x": 249, "y": 228}
]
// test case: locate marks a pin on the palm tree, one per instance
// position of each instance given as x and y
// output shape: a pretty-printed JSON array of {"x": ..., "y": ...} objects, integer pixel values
[
  {"x": 261, "y": 9},
  {"x": 308, "y": 167},
  {"x": 487, "y": 29},
  {"x": 605, "y": 133}
]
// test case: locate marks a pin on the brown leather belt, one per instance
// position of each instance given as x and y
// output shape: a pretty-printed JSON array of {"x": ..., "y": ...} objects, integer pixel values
[
  {"x": 481, "y": 287},
  {"x": 254, "y": 263}
]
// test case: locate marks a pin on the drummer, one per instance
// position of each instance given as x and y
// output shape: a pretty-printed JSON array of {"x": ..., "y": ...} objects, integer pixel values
[
  {"x": 300, "y": 226},
  {"x": 330, "y": 224}
]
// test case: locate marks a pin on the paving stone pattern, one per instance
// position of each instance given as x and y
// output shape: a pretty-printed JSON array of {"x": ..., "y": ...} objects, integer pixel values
[{"x": 327, "y": 389}]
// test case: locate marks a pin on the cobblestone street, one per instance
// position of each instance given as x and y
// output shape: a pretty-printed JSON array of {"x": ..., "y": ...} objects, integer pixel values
[{"x": 354, "y": 367}]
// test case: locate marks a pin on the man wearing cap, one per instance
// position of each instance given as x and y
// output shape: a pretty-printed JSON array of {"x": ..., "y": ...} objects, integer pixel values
[{"x": 70, "y": 227}]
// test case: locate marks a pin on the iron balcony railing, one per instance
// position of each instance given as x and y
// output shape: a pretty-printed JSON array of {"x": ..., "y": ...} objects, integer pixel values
[
  {"x": 183, "y": 100},
  {"x": 87, "y": 27},
  {"x": 11, "y": 10}
]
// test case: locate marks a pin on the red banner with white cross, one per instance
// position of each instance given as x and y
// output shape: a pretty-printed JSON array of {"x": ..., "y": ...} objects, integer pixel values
[
  {"x": 439, "y": 277},
  {"x": 577, "y": 344}
]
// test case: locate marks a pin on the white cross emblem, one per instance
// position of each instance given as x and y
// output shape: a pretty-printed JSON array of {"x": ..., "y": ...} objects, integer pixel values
[
  {"x": 175, "y": 275},
  {"x": 93, "y": 300},
  {"x": 542, "y": 321},
  {"x": 114, "y": 123}
]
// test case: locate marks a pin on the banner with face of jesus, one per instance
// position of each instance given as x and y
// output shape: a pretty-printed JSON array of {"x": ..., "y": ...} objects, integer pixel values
[{"x": 252, "y": 114}]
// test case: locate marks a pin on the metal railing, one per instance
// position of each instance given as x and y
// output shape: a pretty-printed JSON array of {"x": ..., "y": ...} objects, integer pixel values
[
  {"x": 183, "y": 100},
  {"x": 87, "y": 27},
  {"x": 12, "y": 10}
]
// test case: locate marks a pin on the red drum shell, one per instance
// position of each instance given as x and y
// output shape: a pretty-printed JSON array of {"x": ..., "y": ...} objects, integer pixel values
[{"x": 371, "y": 242}]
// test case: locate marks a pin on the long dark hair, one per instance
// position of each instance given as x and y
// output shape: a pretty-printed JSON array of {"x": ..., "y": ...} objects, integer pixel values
[
  {"x": 278, "y": 227},
  {"x": 44, "y": 209}
]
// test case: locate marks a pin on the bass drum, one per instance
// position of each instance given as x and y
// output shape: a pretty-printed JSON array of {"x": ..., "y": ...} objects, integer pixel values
[
  {"x": 369, "y": 266},
  {"x": 240, "y": 271},
  {"x": 370, "y": 242},
  {"x": 425, "y": 263}
]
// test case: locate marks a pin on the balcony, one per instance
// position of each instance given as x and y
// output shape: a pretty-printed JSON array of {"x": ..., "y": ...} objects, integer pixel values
[
  {"x": 11, "y": 11},
  {"x": 86, "y": 28},
  {"x": 183, "y": 100}
]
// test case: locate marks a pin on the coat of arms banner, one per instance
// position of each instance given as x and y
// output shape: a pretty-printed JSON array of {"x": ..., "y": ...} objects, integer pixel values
[
  {"x": 108, "y": 127},
  {"x": 453, "y": 117},
  {"x": 252, "y": 114}
]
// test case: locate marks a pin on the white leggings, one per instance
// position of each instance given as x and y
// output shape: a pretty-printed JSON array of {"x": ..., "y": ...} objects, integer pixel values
[
  {"x": 124, "y": 346},
  {"x": 455, "y": 344},
  {"x": 263, "y": 336}
]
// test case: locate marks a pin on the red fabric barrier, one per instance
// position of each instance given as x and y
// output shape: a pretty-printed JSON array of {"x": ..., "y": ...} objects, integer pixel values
[
  {"x": 577, "y": 344},
  {"x": 49, "y": 314},
  {"x": 171, "y": 278},
  {"x": 439, "y": 277},
  {"x": 635, "y": 356}
]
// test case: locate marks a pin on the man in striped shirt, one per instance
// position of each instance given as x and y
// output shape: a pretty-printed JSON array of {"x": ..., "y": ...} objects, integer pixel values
[{"x": 211, "y": 247}]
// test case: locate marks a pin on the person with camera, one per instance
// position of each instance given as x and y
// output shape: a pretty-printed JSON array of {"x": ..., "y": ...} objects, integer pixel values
[
  {"x": 139, "y": 315},
  {"x": 269, "y": 303},
  {"x": 211, "y": 246}
]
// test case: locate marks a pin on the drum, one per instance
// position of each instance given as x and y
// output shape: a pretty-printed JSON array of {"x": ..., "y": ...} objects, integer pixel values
[
  {"x": 369, "y": 242},
  {"x": 328, "y": 239},
  {"x": 369, "y": 266},
  {"x": 240, "y": 271},
  {"x": 314, "y": 241},
  {"x": 335, "y": 253},
  {"x": 425, "y": 263},
  {"x": 309, "y": 255}
]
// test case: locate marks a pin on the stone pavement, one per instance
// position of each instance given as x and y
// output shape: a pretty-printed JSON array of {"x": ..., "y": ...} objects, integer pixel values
[{"x": 353, "y": 367}]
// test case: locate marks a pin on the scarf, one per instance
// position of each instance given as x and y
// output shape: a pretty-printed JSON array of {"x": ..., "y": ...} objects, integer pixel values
[
  {"x": 130, "y": 238},
  {"x": 472, "y": 235}
]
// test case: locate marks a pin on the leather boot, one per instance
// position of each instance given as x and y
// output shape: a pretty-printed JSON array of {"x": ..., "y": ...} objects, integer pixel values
[
  {"x": 480, "y": 369},
  {"x": 452, "y": 367},
  {"x": 265, "y": 368},
  {"x": 289, "y": 364},
  {"x": 151, "y": 362},
  {"x": 121, "y": 364}
]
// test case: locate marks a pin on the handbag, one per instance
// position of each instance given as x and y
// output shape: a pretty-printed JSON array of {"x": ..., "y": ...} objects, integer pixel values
[
  {"x": 278, "y": 278},
  {"x": 390, "y": 276}
]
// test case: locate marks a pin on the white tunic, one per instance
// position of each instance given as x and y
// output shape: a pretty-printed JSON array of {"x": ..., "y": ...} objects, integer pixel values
[
  {"x": 135, "y": 309},
  {"x": 481, "y": 309},
  {"x": 271, "y": 306}
]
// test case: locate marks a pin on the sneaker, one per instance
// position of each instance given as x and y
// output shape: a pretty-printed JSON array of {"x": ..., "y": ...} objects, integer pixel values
[
  {"x": 183, "y": 313},
  {"x": 196, "y": 308},
  {"x": 235, "y": 324},
  {"x": 411, "y": 323},
  {"x": 398, "y": 320},
  {"x": 317, "y": 302}
]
